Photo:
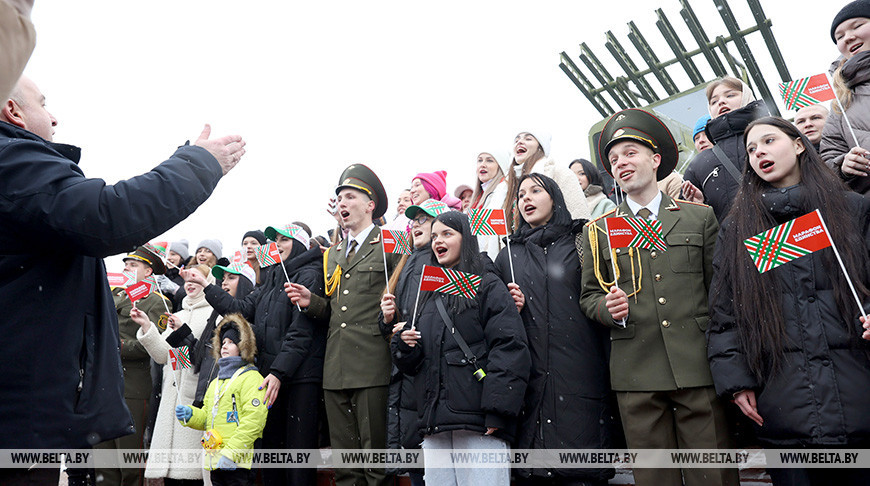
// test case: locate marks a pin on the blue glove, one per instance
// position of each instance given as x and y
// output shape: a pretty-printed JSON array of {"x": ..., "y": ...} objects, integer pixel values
[
  {"x": 183, "y": 413},
  {"x": 226, "y": 464}
]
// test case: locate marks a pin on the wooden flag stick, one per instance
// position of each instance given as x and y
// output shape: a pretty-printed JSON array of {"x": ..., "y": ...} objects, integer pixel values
[
  {"x": 613, "y": 264},
  {"x": 842, "y": 266}
]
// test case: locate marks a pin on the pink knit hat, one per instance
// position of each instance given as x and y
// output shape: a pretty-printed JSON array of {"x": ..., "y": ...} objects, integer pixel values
[{"x": 435, "y": 184}]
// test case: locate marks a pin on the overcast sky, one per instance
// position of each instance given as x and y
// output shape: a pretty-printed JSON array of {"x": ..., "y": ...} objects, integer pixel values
[{"x": 404, "y": 87}]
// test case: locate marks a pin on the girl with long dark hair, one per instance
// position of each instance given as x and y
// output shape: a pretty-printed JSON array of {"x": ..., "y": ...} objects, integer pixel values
[
  {"x": 457, "y": 407},
  {"x": 567, "y": 402},
  {"x": 786, "y": 344}
]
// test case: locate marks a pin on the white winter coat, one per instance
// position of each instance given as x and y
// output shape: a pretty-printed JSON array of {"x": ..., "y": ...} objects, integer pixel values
[{"x": 168, "y": 432}]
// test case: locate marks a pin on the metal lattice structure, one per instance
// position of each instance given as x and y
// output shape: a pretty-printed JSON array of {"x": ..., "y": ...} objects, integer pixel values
[{"x": 632, "y": 89}]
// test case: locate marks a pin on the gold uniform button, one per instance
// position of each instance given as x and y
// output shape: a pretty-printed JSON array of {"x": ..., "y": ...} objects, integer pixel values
[
  {"x": 663, "y": 300},
  {"x": 658, "y": 278},
  {"x": 343, "y": 325},
  {"x": 666, "y": 323},
  {"x": 344, "y": 307},
  {"x": 618, "y": 250},
  {"x": 653, "y": 254},
  {"x": 346, "y": 275},
  {"x": 345, "y": 292},
  {"x": 687, "y": 240}
]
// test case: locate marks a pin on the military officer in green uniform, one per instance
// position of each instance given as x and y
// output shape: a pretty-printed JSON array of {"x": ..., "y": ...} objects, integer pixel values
[
  {"x": 656, "y": 305},
  {"x": 135, "y": 361},
  {"x": 356, "y": 370}
]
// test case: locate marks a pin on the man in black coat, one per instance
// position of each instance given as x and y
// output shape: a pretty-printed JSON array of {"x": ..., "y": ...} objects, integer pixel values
[{"x": 63, "y": 386}]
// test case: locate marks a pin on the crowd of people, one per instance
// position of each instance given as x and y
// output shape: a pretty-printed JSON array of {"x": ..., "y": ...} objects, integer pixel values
[{"x": 565, "y": 342}]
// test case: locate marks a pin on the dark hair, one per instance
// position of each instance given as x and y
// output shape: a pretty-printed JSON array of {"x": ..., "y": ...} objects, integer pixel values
[
  {"x": 593, "y": 175},
  {"x": 469, "y": 258},
  {"x": 756, "y": 296},
  {"x": 244, "y": 288},
  {"x": 560, "y": 216}
]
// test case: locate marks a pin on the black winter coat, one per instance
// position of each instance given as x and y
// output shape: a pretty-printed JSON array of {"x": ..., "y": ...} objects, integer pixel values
[
  {"x": 567, "y": 403},
  {"x": 62, "y": 380},
  {"x": 289, "y": 344},
  {"x": 820, "y": 395},
  {"x": 449, "y": 397},
  {"x": 707, "y": 173}
]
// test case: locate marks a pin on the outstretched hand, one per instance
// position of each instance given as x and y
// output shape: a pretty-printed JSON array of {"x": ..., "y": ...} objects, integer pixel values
[
  {"x": 228, "y": 150},
  {"x": 194, "y": 276}
]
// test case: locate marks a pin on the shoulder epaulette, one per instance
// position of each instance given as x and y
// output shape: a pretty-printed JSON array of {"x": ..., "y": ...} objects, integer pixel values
[
  {"x": 693, "y": 203},
  {"x": 608, "y": 213}
]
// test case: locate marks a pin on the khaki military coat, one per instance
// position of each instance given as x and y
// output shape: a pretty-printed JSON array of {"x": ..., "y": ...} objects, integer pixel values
[
  {"x": 662, "y": 347},
  {"x": 357, "y": 354}
]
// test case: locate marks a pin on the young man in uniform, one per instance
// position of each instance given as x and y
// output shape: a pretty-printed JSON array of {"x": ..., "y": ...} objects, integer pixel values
[
  {"x": 356, "y": 370},
  {"x": 657, "y": 306}
]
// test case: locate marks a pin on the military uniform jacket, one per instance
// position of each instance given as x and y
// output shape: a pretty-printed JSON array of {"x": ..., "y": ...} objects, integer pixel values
[
  {"x": 134, "y": 357},
  {"x": 662, "y": 346},
  {"x": 357, "y": 354}
]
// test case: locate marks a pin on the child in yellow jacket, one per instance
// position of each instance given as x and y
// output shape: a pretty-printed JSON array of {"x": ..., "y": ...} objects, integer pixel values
[{"x": 234, "y": 410}]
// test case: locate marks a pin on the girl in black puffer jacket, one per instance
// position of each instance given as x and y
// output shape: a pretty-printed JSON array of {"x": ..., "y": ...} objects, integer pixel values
[
  {"x": 456, "y": 408},
  {"x": 567, "y": 403},
  {"x": 787, "y": 344},
  {"x": 732, "y": 107}
]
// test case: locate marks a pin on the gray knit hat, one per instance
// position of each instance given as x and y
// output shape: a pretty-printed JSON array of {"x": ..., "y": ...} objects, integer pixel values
[
  {"x": 213, "y": 246},
  {"x": 180, "y": 247}
]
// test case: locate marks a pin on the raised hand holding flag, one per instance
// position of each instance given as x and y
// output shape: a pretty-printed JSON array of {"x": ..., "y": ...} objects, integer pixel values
[
  {"x": 794, "y": 239},
  {"x": 268, "y": 255},
  {"x": 447, "y": 281}
]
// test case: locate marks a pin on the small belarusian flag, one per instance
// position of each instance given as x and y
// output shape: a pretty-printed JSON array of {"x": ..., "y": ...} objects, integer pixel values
[
  {"x": 453, "y": 282},
  {"x": 398, "y": 241},
  {"x": 158, "y": 248},
  {"x": 807, "y": 91},
  {"x": 238, "y": 257},
  {"x": 179, "y": 358},
  {"x": 788, "y": 241},
  {"x": 122, "y": 279},
  {"x": 488, "y": 222},
  {"x": 268, "y": 255},
  {"x": 635, "y": 233},
  {"x": 140, "y": 290}
]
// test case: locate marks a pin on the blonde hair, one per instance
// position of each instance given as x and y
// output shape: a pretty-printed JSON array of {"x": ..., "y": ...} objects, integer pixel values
[
  {"x": 479, "y": 195},
  {"x": 844, "y": 94},
  {"x": 205, "y": 270}
]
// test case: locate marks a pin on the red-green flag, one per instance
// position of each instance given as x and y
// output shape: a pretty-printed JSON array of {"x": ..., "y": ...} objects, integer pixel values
[
  {"x": 788, "y": 241},
  {"x": 158, "y": 248},
  {"x": 123, "y": 279},
  {"x": 487, "y": 222},
  {"x": 268, "y": 255},
  {"x": 635, "y": 233},
  {"x": 806, "y": 91},
  {"x": 398, "y": 241},
  {"x": 453, "y": 282},
  {"x": 179, "y": 358},
  {"x": 140, "y": 290}
]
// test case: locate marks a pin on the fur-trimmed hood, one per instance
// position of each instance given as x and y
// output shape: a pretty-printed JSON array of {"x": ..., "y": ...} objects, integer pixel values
[{"x": 247, "y": 344}]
